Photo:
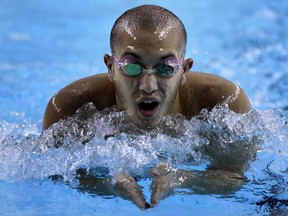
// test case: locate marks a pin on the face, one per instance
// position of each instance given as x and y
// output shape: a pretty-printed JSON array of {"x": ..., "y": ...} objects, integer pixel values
[{"x": 148, "y": 96}]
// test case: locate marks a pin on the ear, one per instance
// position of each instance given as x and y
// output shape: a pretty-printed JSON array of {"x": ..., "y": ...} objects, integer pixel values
[
  {"x": 109, "y": 65},
  {"x": 187, "y": 65}
]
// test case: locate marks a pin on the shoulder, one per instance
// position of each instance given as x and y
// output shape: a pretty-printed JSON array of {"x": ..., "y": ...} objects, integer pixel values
[
  {"x": 203, "y": 90},
  {"x": 100, "y": 89},
  {"x": 90, "y": 85},
  {"x": 97, "y": 89},
  {"x": 98, "y": 78},
  {"x": 208, "y": 85},
  {"x": 201, "y": 79}
]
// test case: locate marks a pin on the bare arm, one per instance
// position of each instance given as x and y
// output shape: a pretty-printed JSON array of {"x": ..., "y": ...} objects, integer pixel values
[{"x": 97, "y": 89}]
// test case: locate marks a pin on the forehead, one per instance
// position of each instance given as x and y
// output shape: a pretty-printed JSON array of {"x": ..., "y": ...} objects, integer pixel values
[{"x": 148, "y": 42}]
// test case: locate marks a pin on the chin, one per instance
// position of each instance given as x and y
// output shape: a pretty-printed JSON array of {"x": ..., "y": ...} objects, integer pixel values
[{"x": 146, "y": 123}]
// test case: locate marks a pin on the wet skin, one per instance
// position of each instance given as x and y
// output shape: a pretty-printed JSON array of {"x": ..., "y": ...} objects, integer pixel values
[
  {"x": 148, "y": 50},
  {"x": 185, "y": 92},
  {"x": 164, "y": 180}
]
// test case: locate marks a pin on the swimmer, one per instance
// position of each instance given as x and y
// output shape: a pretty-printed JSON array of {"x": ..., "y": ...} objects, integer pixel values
[{"x": 149, "y": 77}]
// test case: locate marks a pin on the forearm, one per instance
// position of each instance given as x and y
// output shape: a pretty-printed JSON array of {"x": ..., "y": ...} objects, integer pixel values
[
  {"x": 166, "y": 179},
  {"x": 209, "y": 181}
]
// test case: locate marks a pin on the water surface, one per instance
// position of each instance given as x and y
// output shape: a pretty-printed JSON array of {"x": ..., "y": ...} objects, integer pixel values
[{"x": 46, "y": 45}]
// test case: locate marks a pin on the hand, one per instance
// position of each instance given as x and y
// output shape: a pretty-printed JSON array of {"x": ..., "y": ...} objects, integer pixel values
[
  {"x": 164, "y": 180},
  {"x": 163, "y": 183},
  {"x": 163, "y": 177},
  {"x": 127, "y": 188}
]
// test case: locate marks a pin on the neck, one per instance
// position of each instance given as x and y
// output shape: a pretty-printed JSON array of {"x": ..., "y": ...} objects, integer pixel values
[
  {"x": 118, "y": 104},
  {"x": 176, "y": 106}
]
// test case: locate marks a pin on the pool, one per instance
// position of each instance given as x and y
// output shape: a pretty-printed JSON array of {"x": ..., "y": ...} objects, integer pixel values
[{"x": 46, "y": 45}]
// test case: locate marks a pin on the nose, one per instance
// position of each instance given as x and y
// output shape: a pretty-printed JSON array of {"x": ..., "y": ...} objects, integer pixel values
[{"x": 148, "y": 83}]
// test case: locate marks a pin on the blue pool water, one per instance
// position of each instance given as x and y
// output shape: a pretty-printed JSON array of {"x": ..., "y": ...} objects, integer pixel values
[{"x": 44, "y": 45}]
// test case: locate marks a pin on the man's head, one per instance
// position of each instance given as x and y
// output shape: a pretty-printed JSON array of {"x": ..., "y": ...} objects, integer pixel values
[
  {"x": 147, "y": 65},
  {"x": 150, "y": 18}
]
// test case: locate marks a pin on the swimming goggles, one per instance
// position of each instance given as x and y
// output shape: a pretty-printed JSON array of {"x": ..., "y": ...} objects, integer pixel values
[{"x": 165, "y": 69}]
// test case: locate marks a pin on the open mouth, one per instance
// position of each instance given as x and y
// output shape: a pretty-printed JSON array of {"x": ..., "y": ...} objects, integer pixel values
[{"x": 148, "y": 107}]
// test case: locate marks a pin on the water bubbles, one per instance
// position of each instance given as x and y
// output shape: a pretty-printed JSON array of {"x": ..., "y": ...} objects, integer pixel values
[{"x": 106, "y": 143}]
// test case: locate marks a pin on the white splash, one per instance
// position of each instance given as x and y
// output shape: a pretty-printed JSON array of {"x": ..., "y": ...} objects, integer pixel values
[{"x": 92, "y": 139}]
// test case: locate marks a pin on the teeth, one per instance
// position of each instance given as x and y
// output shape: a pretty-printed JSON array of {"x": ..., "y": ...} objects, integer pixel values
[{"x": 148, "y": 101}]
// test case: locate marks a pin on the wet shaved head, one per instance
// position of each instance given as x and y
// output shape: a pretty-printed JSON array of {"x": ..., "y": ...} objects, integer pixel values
[{"x": 150, "y": 18}]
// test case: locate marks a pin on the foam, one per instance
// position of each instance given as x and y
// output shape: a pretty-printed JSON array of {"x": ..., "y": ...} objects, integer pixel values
[{"x": 93, "y": 140}]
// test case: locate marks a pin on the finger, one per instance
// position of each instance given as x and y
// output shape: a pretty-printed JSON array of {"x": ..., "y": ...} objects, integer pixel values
[
  {"x": 127, "y": 188},
  {"x": 162, "y": 176}
]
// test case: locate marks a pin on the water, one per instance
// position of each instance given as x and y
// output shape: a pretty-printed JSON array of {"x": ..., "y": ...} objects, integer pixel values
[{"x": 46, "y": 45}]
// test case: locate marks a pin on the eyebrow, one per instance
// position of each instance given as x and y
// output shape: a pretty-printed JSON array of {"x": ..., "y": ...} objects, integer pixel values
[
  {"x": 170, "y": 55},
  {"x": 134, "y": 55}
]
